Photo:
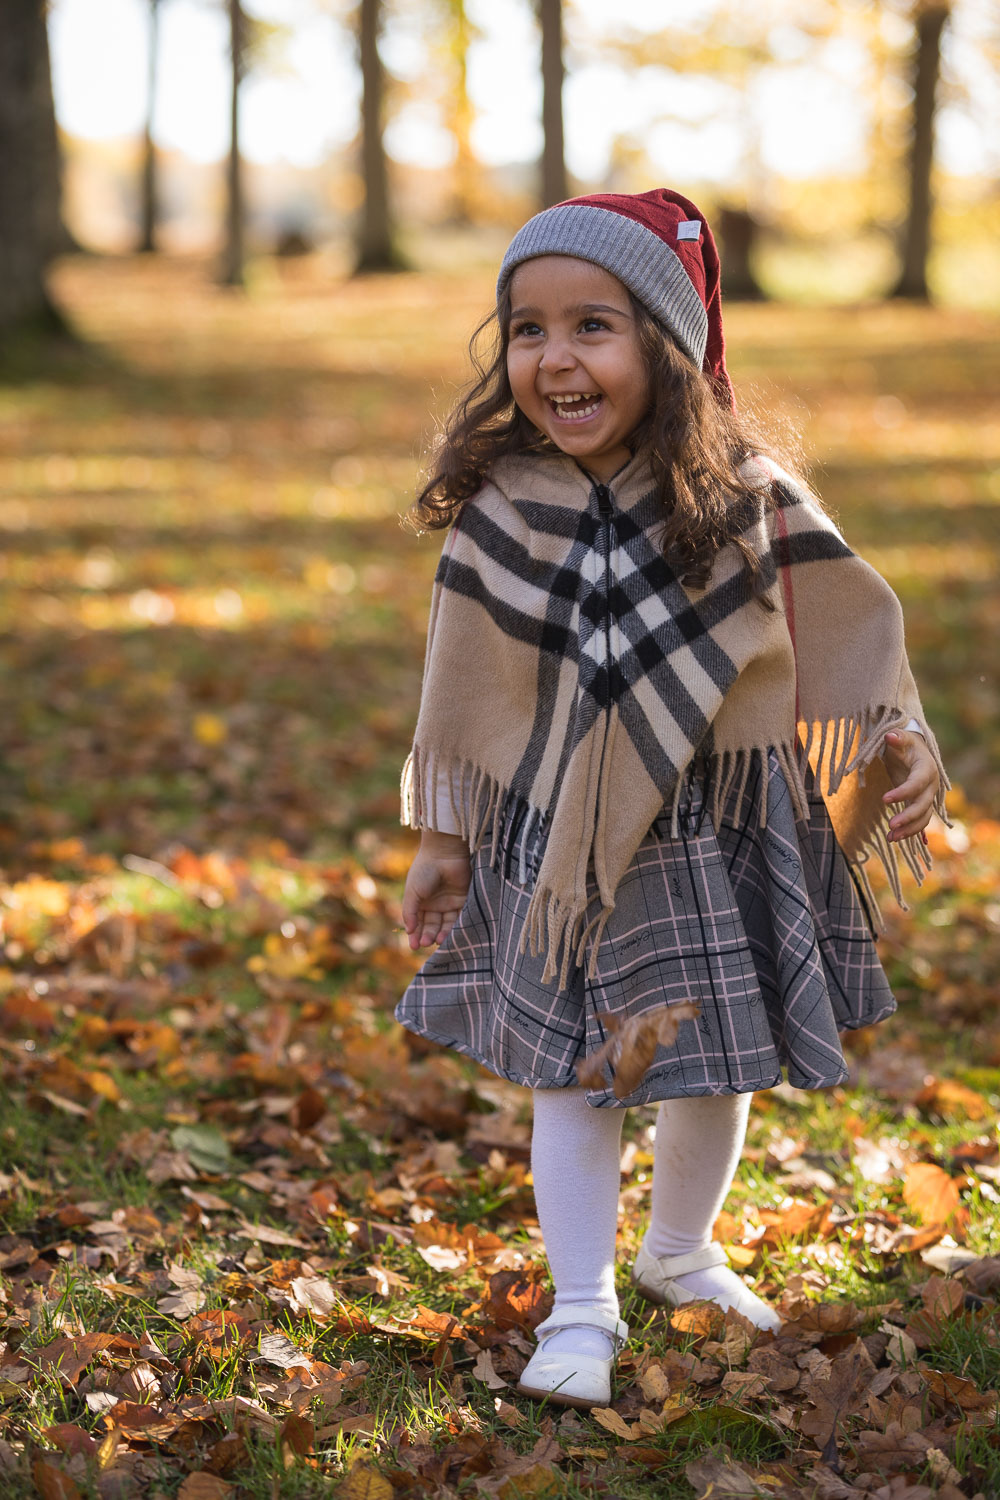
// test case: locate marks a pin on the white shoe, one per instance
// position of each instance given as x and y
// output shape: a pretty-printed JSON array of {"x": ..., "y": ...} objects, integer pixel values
[
  {"x": 657, "y": 1279},
  {"x": 581, "y": 1380}
]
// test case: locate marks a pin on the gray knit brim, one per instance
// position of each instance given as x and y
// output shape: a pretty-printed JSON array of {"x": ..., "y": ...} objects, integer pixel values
[{"x": 638, "y": 257}]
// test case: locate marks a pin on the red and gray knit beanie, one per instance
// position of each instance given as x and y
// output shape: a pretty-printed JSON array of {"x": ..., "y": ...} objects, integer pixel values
[{"x": 658, "y": 245}]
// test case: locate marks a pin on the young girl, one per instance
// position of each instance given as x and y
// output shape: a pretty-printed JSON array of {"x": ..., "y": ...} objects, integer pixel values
[{"x": 666, "y": 717}]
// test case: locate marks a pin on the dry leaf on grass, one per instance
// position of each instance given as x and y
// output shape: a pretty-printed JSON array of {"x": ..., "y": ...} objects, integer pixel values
[
  {"x": 53, "y": 1483},
  {"x": 931, "y": 1192},
  {"x": 365, "y": 1483},
  {"x": 632, "y": 1045},
  {"x": 722, "y": 1479},
  {"x": 204, "y": 1486}
]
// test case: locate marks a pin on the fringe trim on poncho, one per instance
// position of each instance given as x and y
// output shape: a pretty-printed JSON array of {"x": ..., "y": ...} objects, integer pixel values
[{"x": 835, "y": 749}]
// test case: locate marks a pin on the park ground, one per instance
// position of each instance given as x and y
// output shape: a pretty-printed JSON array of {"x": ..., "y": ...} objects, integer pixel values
[{"x": 254, "y": 1241}]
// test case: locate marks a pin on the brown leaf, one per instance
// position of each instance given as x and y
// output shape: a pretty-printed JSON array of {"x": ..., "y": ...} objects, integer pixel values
[
  {"x": 204, "y": 1486},
  {"x": 943, "y": 1297},
  {"x": 958, "y": 1391},
  {"x": 931, "y": 1192},
  {"x": 483, "y": 1370},
  {"x": 69, "y": 1357},
  {"x": 516, "y": 1299},
  {"x": 53, "y": 1483},
  {"x": 722, "y": 1479},
  {"x": 298, "y": 1436},
  {"x": 69, "y": 1438},
  {"x": 608, "y": 1418},
  {"x": 833, "y": 1397},
  {"x": 365, "y": 1483},
  {"x": 632, "y": 1045}
]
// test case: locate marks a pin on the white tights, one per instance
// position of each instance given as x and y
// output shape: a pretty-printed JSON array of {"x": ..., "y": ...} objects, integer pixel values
[{"x": 575, "y": 1154}]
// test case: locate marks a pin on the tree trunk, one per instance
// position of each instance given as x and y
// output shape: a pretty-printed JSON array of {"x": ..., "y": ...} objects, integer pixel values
[
  {"x": 930, "y": 22},
  {"x": 465, "y": 173},
  {"x": 376, "y": 247},
  {"x": 738, "y": 231},
  {"x": 148, "y": 207},
  {"x": 31, "y": 230},
  {"x": 554, "y": 186},
  {"x": 233, "y": 257}
]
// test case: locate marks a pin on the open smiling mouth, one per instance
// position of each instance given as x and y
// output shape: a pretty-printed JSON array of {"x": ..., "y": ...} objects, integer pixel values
[{"x": 573, "y": 408}]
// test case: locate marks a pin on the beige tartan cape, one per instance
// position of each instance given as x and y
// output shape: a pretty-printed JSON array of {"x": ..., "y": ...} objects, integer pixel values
[{"x": 569, "y": 669}]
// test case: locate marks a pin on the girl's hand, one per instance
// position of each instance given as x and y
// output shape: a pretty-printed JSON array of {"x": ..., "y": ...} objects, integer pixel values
[
  {"x": 436, "y": 888},
  {"x": 915, "y": 782}
]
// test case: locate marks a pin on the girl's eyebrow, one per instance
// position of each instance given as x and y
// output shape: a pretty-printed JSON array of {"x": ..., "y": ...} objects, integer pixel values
[{"x": 568, "y": 312}]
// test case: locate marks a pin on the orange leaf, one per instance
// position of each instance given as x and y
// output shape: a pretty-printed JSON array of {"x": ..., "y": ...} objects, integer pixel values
[
  {"x": 930, "y": 1192},
  {"x": 53, "y": 1483}
]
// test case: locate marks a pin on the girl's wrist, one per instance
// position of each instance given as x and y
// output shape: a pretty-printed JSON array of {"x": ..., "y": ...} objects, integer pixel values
[{"x": 443, "y": 845}]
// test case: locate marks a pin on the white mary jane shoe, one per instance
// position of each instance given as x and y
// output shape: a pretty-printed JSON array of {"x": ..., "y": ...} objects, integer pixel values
[
  {"x": 657, "y": 1279},
  {"x": 580, "y": 1380}
]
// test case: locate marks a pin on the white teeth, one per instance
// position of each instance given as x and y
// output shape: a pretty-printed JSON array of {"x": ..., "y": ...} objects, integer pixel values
[{"x": 559, "y": 402}]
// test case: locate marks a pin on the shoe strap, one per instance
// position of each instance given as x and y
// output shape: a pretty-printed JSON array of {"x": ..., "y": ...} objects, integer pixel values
[
  {"x": 584, "y": 1317},
  {"x": 672, "y": 1266}
]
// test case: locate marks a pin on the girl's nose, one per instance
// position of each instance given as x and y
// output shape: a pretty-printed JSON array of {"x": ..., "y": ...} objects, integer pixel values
[{"x": 557, "y": 355}]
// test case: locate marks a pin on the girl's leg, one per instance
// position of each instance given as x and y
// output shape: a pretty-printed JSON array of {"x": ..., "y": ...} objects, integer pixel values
[
  {"x": 698, "y": 1145},
  {"x": 575, "y": 1164}
]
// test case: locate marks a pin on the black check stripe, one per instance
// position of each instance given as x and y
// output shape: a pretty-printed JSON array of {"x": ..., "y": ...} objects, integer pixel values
[{"x": 626, "y": 573}]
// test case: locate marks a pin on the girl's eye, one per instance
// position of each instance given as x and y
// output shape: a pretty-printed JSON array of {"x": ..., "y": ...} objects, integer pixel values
[
  {"x": 593, "y": 325},
  {"x": 520, "y": 330}
]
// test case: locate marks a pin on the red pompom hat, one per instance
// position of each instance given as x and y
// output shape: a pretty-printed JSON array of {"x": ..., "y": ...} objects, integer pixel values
[{"x": 658, "y": 245}]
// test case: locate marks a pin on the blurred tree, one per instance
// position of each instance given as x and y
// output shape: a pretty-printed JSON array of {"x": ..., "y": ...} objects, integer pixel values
[
  {"x": 31, "y": 231},
  {"x": 459, "y": 32},
  {"x": 553, "y": 166},
  {"x": 376, "y": 246},
  {"x": 148, "y": 205},
  {"x": 233, "y": 257},
  {"x": 929, "y": 22}
]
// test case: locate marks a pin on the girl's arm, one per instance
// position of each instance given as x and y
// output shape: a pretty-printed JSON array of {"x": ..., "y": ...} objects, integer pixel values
[{"x": 915, "y": 781}]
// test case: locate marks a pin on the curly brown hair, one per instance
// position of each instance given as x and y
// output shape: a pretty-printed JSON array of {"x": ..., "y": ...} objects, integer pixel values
[{"x": 696, "y": 446}]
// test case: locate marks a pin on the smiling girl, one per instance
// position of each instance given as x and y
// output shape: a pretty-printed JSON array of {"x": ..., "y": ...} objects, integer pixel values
[{"x": 665, "y": 720}]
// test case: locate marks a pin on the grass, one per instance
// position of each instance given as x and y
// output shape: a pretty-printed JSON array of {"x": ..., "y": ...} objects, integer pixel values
[{"x": 211, "y": 636}]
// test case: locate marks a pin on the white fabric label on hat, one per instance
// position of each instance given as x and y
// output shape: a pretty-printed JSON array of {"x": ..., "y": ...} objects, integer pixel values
[{"x": 689, "y": 229}]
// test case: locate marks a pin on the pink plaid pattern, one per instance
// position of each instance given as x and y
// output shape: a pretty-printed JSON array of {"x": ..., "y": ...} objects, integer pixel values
[{"x": 764, "y": 926}]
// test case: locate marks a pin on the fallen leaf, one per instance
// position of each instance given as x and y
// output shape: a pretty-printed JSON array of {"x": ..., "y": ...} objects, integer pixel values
[
  {"x": 632, "y": 1045},
  {"x": 722, "y": 1479},
  {"x": 277, "y": 1349},
  {"x": 53, "y": 1483},
  {"x": 483, "y": 1370},
  {"x": 608, "y": 1418},
  {"x": 204, "y": 1486},
  {"x": 931, "y": 1192},
  {"x": 365, "y": 1483}
]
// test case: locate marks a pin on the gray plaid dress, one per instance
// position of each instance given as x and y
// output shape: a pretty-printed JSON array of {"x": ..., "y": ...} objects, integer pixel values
[{"x": 764, "y": 926}]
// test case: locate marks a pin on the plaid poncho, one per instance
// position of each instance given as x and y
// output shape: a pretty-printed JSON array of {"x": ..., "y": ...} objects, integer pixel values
[{"x": 569, "y": 668}]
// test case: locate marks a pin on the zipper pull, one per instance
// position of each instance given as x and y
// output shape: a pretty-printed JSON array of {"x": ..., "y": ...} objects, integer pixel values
[{"x": 604, "y": 504}]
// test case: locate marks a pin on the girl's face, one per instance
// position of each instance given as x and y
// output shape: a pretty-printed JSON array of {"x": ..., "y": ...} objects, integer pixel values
[{"x": 574, "y": 359}]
